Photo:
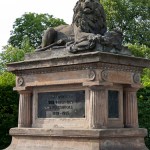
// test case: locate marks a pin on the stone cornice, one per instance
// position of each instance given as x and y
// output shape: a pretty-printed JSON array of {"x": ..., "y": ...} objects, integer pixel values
[{"x": 83, "y": 61}]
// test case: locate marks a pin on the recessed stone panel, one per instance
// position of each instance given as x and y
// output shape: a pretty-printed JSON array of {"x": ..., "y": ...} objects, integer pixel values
[
  {"x": 113, "y": 104},
  {"x": 67, "y": 104}
]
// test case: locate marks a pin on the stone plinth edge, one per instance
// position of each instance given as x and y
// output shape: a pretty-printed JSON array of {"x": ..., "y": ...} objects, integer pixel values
[
  {"x": 93, "y": 133},
  {"x": 76, "y": 59},
  {"x": 95, "y": 139}
]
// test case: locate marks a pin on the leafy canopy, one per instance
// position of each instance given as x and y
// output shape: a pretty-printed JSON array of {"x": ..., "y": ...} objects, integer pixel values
[
  {"x": 132, "y": 16},
  {"x": 14, "y": 54},
  {"x": 32, "y": 25}
]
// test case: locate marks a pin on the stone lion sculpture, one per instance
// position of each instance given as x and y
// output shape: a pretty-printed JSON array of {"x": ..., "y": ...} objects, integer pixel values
[
  {"x": 87, "y": 32},
  {"x": 89, "y": 17}
]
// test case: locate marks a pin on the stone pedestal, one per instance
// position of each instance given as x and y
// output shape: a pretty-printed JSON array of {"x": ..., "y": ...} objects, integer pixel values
[{"x": 78, "y": 102}]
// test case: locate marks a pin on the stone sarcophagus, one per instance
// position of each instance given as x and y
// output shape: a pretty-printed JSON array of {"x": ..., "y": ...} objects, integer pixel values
[{"x": 81, "y": 101}]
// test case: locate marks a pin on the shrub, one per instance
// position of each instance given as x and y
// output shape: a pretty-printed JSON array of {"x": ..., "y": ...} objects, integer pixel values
[{"x": 144, "y": 111}]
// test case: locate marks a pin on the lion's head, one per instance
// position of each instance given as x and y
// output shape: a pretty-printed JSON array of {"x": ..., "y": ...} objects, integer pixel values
[{"x": 89, "y": 15}]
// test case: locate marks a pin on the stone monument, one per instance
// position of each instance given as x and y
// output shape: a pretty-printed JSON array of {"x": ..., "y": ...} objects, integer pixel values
[{"x": 78, "y": 90}]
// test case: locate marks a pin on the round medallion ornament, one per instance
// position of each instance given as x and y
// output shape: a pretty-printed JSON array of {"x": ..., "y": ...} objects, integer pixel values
[
  {"x": 92, "y": 75},
  {"x": 136, "y": 78},
  {"x": 20, "y": 81},
  {"x": 104, "y": 75}
]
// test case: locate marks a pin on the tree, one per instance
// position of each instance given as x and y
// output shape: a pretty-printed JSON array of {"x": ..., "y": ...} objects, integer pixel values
[
  {"x": 139, "y": 50},
  {"x": 14, "y": 54},
  {"x": 8, "y": 107},
  {"x": 26, "y": 36},
  {"x": 144, "y": 111},
  {"x": 132, "y": 17},
  {"x": 146, "y": 78},
  {"x": 32, "y": 25}
]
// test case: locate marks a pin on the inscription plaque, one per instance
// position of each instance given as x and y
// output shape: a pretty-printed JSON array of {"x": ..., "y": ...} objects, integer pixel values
[
  {"x": 113, "y": 104},
  {"x": 67, "y": 104}
]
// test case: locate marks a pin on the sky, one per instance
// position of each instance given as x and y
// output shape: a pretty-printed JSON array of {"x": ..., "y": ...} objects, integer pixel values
[{"x": 12, "y": 9}]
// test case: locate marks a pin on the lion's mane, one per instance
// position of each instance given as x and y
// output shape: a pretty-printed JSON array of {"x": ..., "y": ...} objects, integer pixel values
[{"x": 90, "y": 23}]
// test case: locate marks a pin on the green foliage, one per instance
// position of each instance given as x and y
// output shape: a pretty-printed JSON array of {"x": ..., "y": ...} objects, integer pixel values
[
  {"x": 8, "y": 108},
  {"x": 139, "y": 50},
  {"x": 32, "y": 25},
  {"x": 14, "y": 54},
  {"x": 142, "y": 51},
  {"x": 26, "y": 36},
  {"x": 146, "y": 78},
  {"x": 7, "y": 79},
  {"x": 132, "y": 16},
  {"x": 144, "y": 111}
]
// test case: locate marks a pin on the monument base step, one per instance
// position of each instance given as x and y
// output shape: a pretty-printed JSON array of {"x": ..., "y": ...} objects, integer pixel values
[{"x": 93, "y": 139}]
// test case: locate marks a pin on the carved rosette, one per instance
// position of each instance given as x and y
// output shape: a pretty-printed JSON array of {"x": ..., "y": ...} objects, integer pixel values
[
  {"x": 104, "y": 75},
  {"x": 20, "y": 81},
  {"x": 136, "y": 78},
  {"x": 92, "y": 75}
]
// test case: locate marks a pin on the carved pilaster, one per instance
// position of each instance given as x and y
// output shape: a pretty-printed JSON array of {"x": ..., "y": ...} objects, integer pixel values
[
  {"x": 25, "y": 109},
  {"x": 130, "y": 108},
  {"x": 98, "y": 107}
]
